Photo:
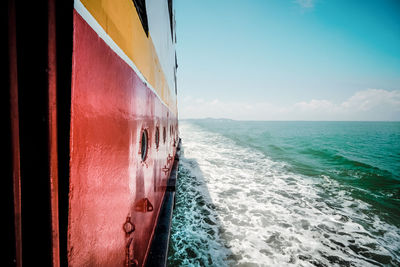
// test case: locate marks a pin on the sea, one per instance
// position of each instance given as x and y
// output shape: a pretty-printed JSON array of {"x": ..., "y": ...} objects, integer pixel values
[{"x": 270, "y": 193}]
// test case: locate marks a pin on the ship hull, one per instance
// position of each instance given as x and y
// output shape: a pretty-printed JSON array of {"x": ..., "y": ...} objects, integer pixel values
[{"x": 109, "y": 182}]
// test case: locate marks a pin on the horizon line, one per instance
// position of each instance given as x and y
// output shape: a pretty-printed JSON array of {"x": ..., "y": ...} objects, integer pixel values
[{"x": 211, "y": 118}]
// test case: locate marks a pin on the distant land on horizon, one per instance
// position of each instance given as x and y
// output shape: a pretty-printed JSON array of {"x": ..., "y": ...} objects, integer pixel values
[{"x": 228, "y": 119}]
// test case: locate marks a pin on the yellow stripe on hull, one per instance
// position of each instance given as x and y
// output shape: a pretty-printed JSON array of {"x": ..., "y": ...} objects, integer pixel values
[{"x": 121, "y": 22}]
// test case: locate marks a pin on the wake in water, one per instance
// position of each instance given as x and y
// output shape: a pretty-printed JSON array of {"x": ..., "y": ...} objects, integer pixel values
[{"x": 236, "y": 207}]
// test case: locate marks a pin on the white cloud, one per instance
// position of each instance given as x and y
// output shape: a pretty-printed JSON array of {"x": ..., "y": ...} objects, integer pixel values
[
  {"x": 371, "y": 104},
  {"x": 314, "y": 105},
  {"x": 372, "y": 98}
]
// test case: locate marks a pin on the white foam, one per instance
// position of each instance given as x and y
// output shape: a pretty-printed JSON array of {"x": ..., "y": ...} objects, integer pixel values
[{"x": 267, "y": 216}]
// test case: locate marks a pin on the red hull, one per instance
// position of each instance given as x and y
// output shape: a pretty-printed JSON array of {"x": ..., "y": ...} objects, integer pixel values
[{"x": 110, "y": 108}]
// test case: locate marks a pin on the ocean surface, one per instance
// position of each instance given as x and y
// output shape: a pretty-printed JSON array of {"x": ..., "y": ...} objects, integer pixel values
[{"x": 287, "y": 194}]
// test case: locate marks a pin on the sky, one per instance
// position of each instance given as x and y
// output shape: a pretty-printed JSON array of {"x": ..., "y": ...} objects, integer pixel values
[{"x": 288, "y": 59}]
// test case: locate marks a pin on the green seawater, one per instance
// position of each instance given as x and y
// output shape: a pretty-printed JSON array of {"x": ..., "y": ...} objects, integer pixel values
[
  {"x": 362, "y": 156},
  {"x": 263, "y": 193}
]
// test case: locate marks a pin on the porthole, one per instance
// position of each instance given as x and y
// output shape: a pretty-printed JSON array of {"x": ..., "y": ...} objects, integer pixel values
[
  {"x": 157, "y": 137},
  {"x": 143, "y": 145},
  {"x": 164, "y": 135}
]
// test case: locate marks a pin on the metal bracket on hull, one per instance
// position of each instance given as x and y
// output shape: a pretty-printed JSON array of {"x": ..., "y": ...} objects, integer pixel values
[
  {"x": 169, "y": 158},
  {"x": 144, "y": 205},
  {"x": 129, "y": 228},
  {"x": 166, "y": 169},
  {"x": 130, "y": 261}
]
